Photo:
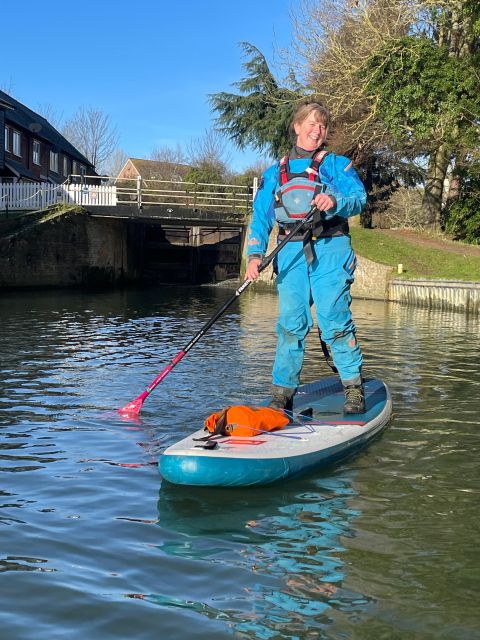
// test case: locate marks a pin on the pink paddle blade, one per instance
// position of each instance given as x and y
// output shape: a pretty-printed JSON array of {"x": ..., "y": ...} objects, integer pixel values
[{"x": 132, "y": 408}]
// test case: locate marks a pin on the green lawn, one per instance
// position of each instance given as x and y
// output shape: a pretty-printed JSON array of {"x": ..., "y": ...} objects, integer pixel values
[{"x": 418, "y": 261}]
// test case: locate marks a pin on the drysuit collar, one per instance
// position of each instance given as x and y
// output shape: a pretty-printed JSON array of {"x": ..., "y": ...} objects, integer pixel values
[{"x": 298, "y": 152}]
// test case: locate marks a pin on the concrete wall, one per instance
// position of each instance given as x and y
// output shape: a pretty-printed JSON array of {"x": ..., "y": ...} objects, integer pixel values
[
  {"x": 72, "y": 250},
  {"x": 76, "y": 249},
  {"x": 371, "y": 278},
  {"x": 437, "y": 294}
]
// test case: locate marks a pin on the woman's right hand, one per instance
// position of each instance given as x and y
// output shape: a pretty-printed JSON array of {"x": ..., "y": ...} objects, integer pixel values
[{"x": 252, "y": 271}]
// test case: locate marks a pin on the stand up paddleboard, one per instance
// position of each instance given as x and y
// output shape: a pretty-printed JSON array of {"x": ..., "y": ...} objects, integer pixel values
[{"x": 308, "y": 443}]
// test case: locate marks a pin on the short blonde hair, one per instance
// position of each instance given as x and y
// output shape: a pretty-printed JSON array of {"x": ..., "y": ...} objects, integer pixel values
[{"x": 304, "y": 110}]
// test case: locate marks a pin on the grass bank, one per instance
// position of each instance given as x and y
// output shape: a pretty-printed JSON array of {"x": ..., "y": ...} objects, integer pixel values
[
  {"x": 418, "y": 258},
  {"x": 19, "y": 221}
]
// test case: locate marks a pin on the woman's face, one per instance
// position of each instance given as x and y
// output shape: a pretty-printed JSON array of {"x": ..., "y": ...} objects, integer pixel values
[{"x": 311, "y": 132}]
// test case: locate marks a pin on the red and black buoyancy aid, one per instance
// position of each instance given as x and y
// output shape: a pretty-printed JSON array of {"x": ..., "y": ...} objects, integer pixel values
[
  {"x": 296, "y": 190},
  {"x": 294, "y": 196}
]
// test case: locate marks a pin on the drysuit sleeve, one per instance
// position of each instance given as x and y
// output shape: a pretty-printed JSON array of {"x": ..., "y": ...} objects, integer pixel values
[
  {"x": 343, "y": 183},
  {"x": 263, "y": 217}
]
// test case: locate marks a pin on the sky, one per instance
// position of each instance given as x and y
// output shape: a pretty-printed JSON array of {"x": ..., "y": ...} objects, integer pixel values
[{"x": 149, "y": 65}]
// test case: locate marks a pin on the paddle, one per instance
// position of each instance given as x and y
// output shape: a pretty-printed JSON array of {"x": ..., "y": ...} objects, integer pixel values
[{"x": 134, "y": 407}]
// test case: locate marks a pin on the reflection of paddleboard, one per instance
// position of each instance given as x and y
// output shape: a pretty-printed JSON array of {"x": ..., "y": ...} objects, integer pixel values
[{"x": 306, "y": 444}]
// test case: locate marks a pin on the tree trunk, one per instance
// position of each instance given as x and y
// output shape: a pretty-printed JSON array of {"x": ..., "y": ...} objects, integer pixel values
[
  {"x": 457, "y": 34},
  {"x": 432, "y": 199},
  {"x": 453, "y": 188}
]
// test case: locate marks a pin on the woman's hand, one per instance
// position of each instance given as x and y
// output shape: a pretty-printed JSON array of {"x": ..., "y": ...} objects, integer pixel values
[
  {"x": 324, "y": 202},
  {"x": 252, "y": 271}
]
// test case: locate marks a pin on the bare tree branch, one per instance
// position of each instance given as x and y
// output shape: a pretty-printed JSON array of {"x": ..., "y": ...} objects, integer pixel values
[
  {"x": 209, "y": 149},
  {"x": 92, "y": 133},
  {"x": 50, "y": 113},
  {"x": 115, "y": 163},
  {"x": 164, "y": 153}
]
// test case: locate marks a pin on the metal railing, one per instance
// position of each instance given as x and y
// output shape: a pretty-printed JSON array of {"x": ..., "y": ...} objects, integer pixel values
[
  {"x": 110, "y": 191},
  {"x": 229, "y": 198}
]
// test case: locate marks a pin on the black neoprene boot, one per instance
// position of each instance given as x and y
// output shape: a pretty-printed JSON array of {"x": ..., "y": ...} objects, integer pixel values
[
  {"x": 282, "y": 398},
  {"x": 354, "y": 399}
]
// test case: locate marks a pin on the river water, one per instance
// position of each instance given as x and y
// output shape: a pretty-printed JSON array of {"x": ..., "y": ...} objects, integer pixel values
[{"x": 94, "y": 545}]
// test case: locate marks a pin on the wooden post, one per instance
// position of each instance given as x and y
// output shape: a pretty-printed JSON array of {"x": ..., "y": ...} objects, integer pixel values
[
  {"x": 194, "y": 242},
  {"x": 255, "y": 188}
]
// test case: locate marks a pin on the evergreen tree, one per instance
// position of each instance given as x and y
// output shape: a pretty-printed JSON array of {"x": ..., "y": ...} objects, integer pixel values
[{"x": 260, "y": 114}]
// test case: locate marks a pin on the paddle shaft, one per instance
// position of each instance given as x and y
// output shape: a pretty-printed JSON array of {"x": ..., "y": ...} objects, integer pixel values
[{"x": 263, "y": 265}]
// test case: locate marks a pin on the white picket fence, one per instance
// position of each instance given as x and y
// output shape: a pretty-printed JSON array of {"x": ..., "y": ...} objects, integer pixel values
[{"x": 40, "y": 195}]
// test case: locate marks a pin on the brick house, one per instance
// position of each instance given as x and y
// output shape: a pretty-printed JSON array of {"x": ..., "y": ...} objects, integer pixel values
[
  {"x": 32, "y": 150},
  {"x": 153, "y": 170}
]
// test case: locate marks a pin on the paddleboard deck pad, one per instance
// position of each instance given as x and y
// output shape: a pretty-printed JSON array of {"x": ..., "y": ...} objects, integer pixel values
[{"x": 306, "y": 444}]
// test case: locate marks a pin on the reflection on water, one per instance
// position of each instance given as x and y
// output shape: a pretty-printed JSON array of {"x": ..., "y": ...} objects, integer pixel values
[
  {"x": 381, "y": 546},
  {"x": 289, "y": 540}
]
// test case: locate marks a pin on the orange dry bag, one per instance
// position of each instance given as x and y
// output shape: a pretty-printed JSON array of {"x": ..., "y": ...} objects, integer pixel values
[{"x": 245, "y": 421}]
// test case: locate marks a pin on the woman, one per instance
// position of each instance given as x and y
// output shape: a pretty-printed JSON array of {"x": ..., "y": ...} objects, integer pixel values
[{"x": 316, "y": 266}]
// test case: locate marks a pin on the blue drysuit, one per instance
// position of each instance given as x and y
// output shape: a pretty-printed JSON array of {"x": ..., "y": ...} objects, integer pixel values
[{"x": 325, "y": 281}]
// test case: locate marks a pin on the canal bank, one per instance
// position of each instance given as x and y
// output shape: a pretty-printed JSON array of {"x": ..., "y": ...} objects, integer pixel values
[
  {"x": 70, "y": 248},
  {"x": 66, "y": 248},
  {"x": 376, "y": 281}
]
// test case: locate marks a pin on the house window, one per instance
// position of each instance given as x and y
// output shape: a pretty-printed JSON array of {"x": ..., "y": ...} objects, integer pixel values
[
  {"x": 65, "y": 166},
  {"x": 7, "y": 139},
  {"x": 36, "y": 152},
  {"x": 16, "y": 143},
  {"x": 75, "y": 168},
  {"x": 54, "y": 161}
]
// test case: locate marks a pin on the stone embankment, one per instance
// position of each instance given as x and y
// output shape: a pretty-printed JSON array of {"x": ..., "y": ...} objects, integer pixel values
[
  {"x": 373, "y": 280},
  {"x": 376, "y": 281},
  {"x": 63, "y": 248}
]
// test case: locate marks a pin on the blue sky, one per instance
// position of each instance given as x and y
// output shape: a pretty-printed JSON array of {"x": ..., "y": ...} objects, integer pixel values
[{"x": 149, "y": 65}]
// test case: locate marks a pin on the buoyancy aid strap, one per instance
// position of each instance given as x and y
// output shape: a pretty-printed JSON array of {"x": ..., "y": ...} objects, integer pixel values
[
  {"x": 284, "y": 172},
  {"x": 314, "y": 169},
  {"x": 318, "y": 158},
  {"x": 335, "y": 226},
  {"x": 308, "y": 247},
  {"x": 311, "y": 172}
]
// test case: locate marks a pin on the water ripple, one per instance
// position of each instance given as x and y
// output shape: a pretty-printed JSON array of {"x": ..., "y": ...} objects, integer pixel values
[{"x": 373, "y": 548}]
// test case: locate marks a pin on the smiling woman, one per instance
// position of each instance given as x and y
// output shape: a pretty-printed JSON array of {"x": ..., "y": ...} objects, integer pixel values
[
  {"x": 319, "y": 263},
  {"x": 311, "y": 127}
]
